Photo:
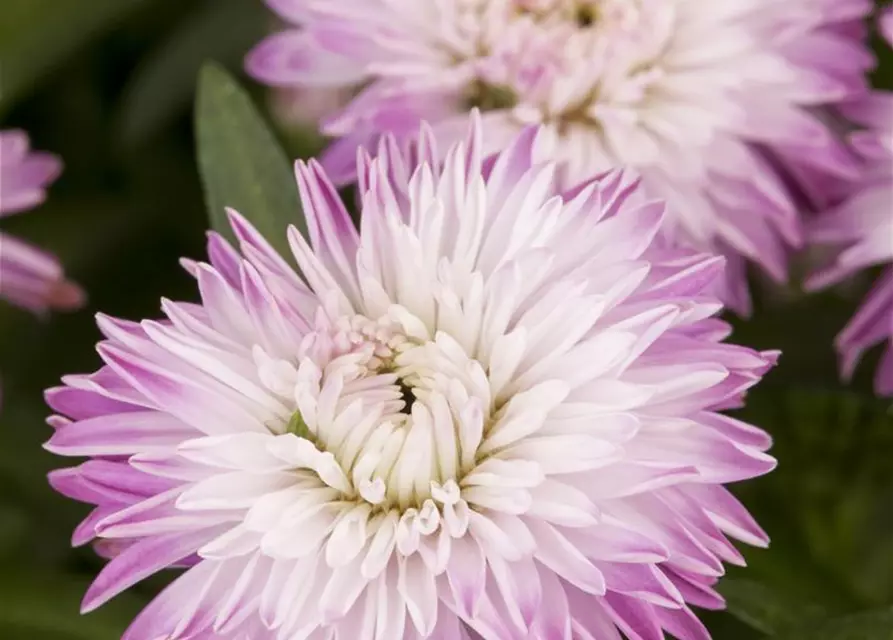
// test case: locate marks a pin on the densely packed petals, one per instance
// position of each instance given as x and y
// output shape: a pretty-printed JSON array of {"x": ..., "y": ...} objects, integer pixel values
[
  {"x": 862, "y": 225},
  {"x": 719, "y": 105},
  {"x": 493, "y": 411},
  {"x": 29, "y": 277}
]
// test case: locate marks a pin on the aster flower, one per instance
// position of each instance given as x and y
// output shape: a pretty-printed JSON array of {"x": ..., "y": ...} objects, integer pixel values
[
  {"x": 863, "y": 225},
  {"x": 493, "y": 412},
  {"x": 29, "y": 277},
  {"x": 718, "y": 105}
]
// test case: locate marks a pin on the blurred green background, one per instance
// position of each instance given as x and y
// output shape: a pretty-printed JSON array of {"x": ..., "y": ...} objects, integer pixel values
[{"x": 109, "y": 86}]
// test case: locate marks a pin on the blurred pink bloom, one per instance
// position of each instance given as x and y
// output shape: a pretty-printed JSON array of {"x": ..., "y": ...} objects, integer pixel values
[
  {"x": 863, "y": 224},
  {"x": 493, "y": 412},
  {"x": 307, "y": 107},
  {"x": 718, "y": 105},
  {"x": 885, "y": 24},
  {"x": 29, "y": 277}
]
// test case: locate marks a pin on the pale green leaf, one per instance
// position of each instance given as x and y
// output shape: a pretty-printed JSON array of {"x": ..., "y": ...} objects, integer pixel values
[{"x": 242, "y": 165}]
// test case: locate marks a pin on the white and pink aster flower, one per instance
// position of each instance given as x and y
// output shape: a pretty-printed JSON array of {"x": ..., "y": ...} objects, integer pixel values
[
  {"x": 863, "y": 225},
  {"x": 29, "y": 277},
  {"x": 718, "y": 105},
  {"x": 492, "y": 412}
]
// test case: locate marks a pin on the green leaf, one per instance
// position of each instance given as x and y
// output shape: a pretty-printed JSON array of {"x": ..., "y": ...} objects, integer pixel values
[
  {"x": 872, "y": 625},
  {"x": 35, "y": 606},
  {"x": 826, "y": 507},
  {"x": 242, "y": 165},
  {"x": 163, "y": 85},
  {"x": 763, "y": 608},
  {"x": 36, "y": 35}
]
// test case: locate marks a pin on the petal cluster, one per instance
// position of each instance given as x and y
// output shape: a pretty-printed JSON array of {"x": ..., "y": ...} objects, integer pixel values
[
  {"x": 862, "y": 226},
  {"x": 492, "y": 412},
  {"x": 719, "y": 105},
  {"x": 29, "y": 277}
]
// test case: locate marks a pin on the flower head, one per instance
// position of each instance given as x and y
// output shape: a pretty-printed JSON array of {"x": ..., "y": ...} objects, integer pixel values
[
  {"x": 493, "y": 412},
  {"x": 862, "y": 224},
  {"x": 718, "y": 105},
  {"x": 29, "y": 277}
]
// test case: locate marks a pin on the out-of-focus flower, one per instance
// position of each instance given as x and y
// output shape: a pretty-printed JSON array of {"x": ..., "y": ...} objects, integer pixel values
[
  {"x": 863, "y": 225},
  {"x": 307, "y": 107},
  {"x": 718, "y": 105},
  {"x": 885, "y": 24},
  {"x": 493, "y": 412},
  {"x": 29, "y": 277}
]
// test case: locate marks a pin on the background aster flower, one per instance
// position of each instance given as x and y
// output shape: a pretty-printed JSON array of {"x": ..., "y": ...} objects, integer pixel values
[
  {"x": 492, "y": 412},
  {"x": 295, "y": 108},
  {"x": 885, "y": 24},
  {"x": 718, "y": 105},
  {"x": 29, "y": 277},
  {"x": 863, "y": 225}
]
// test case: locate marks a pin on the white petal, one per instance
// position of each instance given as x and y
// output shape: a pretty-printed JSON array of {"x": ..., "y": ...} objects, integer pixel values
[
  {"x": 564, "y": 454},
  {"x": 381, "y": 548},
  {"x": 235, "y": 490},
  {"x": 419, "y": 591},
  {"x": 345, "y": 585},
  {"x": 349, "y": 536}
]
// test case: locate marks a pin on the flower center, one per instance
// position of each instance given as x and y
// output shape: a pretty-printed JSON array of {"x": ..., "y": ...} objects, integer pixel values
[
  {"x": 594, "y": 63},
  {"x": 390, "y": 420},
  {"x": 584, "y": 13},
  {"x": 407, "y": 395},
  {"x": 490, "y": 98}
]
